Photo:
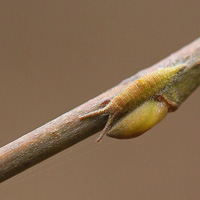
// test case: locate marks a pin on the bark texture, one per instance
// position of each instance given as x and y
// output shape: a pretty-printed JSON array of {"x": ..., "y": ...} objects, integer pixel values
[{"x": 68, "y": 130}]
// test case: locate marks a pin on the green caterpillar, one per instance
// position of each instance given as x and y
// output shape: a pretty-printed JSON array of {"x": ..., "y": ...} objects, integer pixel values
[{"x": 139, "y": 106}]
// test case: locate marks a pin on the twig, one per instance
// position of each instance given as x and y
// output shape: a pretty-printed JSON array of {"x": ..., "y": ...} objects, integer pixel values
[{"x": 68, "y": 130}]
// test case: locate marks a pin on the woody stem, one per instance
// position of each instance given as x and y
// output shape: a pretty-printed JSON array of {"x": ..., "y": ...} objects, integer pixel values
[{"x": 68, "y": 129}]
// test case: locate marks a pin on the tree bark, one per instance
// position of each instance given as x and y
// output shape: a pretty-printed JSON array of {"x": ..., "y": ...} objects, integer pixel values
[{"x": 68, "y": 129}]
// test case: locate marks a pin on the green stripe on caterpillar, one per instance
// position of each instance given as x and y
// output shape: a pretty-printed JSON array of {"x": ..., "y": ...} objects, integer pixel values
[{"x": 139, "y": 106}]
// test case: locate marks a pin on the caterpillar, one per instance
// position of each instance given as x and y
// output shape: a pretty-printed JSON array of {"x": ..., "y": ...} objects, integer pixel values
[{"x": 139, "y": 106}]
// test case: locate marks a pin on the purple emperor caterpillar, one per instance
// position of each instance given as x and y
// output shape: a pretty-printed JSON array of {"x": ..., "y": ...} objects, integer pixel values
[{"x": 139, "y": 106}]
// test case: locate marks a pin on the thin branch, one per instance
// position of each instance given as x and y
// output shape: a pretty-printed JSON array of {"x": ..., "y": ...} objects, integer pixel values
[{"x": 68, "y": 129}]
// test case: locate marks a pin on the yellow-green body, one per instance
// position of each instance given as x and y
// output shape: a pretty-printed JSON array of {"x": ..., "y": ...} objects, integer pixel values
[
  {"x": 142, "y": 89},
  {"x": 136, "y": 108}
]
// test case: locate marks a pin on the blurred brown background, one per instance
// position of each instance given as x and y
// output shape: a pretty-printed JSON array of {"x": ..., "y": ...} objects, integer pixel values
[{"x": 55, "y": 55}]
